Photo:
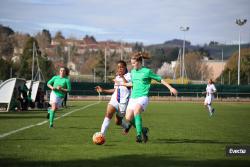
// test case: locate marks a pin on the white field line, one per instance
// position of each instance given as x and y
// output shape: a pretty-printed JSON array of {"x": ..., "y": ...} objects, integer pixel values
[{"x": 43, "y": 122}]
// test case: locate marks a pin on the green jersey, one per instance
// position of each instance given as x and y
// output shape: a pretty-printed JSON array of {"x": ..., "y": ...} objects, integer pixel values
[
  {"x": 141, "y": 80},
  {"x": 58, "y": 81}
]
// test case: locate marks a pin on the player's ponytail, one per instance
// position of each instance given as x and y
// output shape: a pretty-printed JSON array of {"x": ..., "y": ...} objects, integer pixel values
[
  {"x": 138, "y": 56},
  {"x": 211, "y": 81}
]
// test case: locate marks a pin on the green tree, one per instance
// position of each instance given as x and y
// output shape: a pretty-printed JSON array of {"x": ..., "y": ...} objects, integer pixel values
[
  {"x": 5, "y": 68},
  {"x": 45, "y": 65},
  {"x": 26, "y": 59},
  {"x": 138, "y": 47},
  {"x": 6, "y": 42},
  {"x": 44, "y": 39},
  {"x": 230, "y": 73}
]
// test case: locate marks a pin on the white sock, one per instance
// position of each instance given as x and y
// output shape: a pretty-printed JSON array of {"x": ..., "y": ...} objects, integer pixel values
[
  {"x": 209, "y": 108},
  {"x": 105, "y": 125},
  {"x": 124, "y": 124}
]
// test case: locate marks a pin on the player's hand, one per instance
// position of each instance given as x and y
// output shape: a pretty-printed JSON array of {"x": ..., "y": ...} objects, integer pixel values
[
  {"x": 99, "y": 89},
  {"x": 120, "y": 73},
  {"x": 174, "y": 91},
  {"x": 59, "y": 88}
]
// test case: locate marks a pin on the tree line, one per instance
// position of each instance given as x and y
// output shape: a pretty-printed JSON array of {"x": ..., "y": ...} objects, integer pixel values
[{"x": 91, "y": 62}]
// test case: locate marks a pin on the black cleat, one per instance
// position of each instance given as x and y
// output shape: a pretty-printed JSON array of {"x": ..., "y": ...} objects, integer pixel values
[
  {"x": 126, "y": 130},
  {"x": 138, "y": 139},
  {"x": 145, "y": 131},
  {"x": 47, "y": 116}
]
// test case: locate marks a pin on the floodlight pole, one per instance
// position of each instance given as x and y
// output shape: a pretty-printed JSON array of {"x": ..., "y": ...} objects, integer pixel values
[
  {"x": 33, "y": 57},
  {"x": 221, "y": 65},
  {"x": 240, "y": 23},
  {"x": 105, "y": 72},
  {"x": 184, "y": 29},
  {"x": 121, "y": 51}
]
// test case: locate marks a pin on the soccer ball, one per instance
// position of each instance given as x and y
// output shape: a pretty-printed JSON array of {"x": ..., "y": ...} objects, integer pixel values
[{"x": 98, "y": 138}]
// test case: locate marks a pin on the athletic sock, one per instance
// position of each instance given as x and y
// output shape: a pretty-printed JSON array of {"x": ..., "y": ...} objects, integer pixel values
[
  {"x": 125, "y": 124},
  {"x": 105, "y": 125},
  {"x": 209, "y": 108},
  {"x": 138, "y": 124},
  {"x": 51, "y": 117}
]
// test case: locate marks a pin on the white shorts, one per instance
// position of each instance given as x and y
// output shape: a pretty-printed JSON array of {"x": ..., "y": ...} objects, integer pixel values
[
  {"x": 208, "y": 99},
  {"x": 143, "y": 101},
  {"x": 120, "y": 107},
  {"x": 55, "y": 99}
]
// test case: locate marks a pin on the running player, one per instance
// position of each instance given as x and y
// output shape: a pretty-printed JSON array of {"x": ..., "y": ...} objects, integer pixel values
[
  {"x": 60, "y": 85},
  {"x": 141, "y": 81},
  {"x": 210, "y": 90},
  {"x": 119, "y": 100}
]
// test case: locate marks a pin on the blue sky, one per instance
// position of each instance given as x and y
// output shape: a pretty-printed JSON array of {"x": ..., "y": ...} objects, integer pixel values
[{"x": 147, "y": 21}]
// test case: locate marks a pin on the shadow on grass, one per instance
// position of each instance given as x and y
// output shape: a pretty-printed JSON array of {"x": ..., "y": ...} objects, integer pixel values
[
  {"x": 27, "y": 139},
  {"x": 201, "y": 141},
  {"x": 76, "y": 128},
  {"x": 127, "y": 160},
  {"x": 23, "y": 117}
]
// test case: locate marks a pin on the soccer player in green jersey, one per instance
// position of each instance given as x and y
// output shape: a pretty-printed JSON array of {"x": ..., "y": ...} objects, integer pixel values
[
  {"x": 141, "y": 81},
  {"x": 60, "y": 85}
]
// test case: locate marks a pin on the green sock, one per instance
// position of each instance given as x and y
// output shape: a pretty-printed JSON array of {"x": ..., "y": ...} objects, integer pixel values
[
  {"x": 51, "y": 117},
  {"x": 133, "y": 122},
  {"x": 138, "y": 124}
]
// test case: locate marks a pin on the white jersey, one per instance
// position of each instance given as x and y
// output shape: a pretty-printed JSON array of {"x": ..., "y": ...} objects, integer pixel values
[
  {"x": 210, "y": 90},
  {"x": 122, "y": 93}
]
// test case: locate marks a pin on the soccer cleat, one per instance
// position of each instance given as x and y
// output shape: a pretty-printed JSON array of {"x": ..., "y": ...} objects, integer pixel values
[
  {"x": 210, "y": 114},
  {"x": 126, "y": 130},
  {"x": 138, "y": 139},
  {"x": 47, "y": 116},
  {"x": 145, "y": 131}
]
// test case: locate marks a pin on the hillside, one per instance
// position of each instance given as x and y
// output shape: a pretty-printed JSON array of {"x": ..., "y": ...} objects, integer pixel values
[{"x": 214, "y": 51}]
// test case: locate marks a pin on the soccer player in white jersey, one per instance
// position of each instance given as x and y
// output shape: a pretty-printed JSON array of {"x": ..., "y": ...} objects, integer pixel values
[
  {"x": 210, "y": 90},
  {"x": 119, "y": 100}
]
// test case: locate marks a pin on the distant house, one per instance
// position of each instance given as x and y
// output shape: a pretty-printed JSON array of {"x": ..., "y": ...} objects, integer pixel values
[{"x": 217, "y": 67}]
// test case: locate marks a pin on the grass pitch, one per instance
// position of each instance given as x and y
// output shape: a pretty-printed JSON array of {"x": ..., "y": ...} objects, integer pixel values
[{"x": 181, "y": 134}]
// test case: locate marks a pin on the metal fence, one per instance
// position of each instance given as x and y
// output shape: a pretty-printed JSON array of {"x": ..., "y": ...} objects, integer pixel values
[{"x": 185, "y": 90}]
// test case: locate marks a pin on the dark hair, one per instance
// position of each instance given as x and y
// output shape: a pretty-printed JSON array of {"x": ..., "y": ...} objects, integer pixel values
[
  {"x": 66, "y": 70},
  {"x": 138, "y": 56},
  {"x": 212, "y": 82},
  {"x": 123, "y": 63}
]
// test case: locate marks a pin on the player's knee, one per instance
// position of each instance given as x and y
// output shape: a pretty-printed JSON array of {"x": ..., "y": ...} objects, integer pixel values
[
  {"x": 118, "y": 121},
  {"x": 109, "y": 115}
]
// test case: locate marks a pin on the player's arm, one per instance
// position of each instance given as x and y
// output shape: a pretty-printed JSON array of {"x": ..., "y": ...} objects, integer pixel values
[
  {"x": 128, "y": 84},
  {"x": 214, "y": 90},
  {"x": 63, "y": 89},
  {"x": 124, "y": 79},
  {"x": 68, "y": 85},
  {"x": 204, "y": 92},
  {"x": 159, "y": 79},
  {"x": 50, "y": 83},
  {"x": 172, "y": 90},
  {"x": 101, "y": 90}
]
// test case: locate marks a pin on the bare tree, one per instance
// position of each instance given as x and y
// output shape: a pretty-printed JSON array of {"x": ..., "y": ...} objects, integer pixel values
[
  {"x": 195, "y": 68},
  {"x": 165, "y": 70}
]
